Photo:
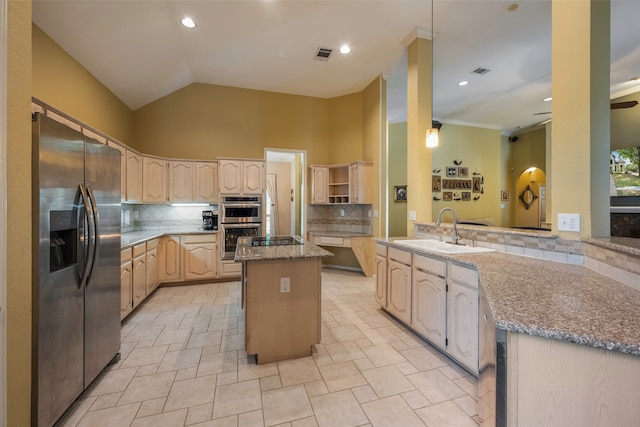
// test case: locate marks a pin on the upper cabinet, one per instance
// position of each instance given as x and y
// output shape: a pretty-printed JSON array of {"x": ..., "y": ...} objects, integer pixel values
[
  {"x": 240, "y": 177},
  {"x": 206, "y": 182},
  {"x": 342, "y": 184},
  {"x": 134, "y": 177},
  {"x": 154, "y": 180},
  {"x": 181, "y": 181},
  {"x": 123, "y": 168}
]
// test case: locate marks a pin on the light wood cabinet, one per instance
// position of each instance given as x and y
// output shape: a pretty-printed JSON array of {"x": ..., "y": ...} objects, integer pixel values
[
  {"x": 206, "y": 182},
  {"x": 462, "y": 316},
  {"x": 126, "y": 283},
  {"x": 319, "y": 184},
  {"x": 342, "y": 184},
  {"x": 240, "y": 177},
  {"x": 134, "y": 177},
  {"x": 152, "y": 266},
  {"x": 429, "y": 306},
  {"x": 381, "y": 275},
  {"x": 154, "y": 180},
  {"x": 180, "y": 181},
  {"x": 123, "y": 168},
  {"x": 139, "y": 273},
  {"x": 200, "y": 256},
  {"x": 399, "y": 284},
  {"x": 169, "y": 263},
  {"x": 360, "y": 183},
  {"x": 229, "y": 268}
]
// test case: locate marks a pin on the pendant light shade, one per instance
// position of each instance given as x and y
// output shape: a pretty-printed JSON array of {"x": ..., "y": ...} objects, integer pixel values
[{"x": 432, "y": 137}]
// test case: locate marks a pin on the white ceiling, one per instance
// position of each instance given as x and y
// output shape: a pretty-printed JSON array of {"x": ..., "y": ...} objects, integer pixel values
[{"x": 139, "y": 50}]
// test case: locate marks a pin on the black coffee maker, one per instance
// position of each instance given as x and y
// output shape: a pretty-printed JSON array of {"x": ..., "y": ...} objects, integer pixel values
[{"x": 209, "y": 220}]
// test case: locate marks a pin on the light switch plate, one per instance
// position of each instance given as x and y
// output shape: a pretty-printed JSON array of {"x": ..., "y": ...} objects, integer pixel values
[
  {"x": 285, "y": 284},
  {"x": 412, "y": 215},
  {"x": 569, "y": 222}
]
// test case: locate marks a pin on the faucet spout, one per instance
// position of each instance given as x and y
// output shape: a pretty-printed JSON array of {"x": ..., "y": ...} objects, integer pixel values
[{"x": 454, "y": 234}]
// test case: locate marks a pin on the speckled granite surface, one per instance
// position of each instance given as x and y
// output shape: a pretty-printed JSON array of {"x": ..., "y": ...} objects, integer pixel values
[
  {"x": 244, "y": 252},
  {"x": 556, "y": 300},
  {"x": 135, "y": 237},
  {"x": 339, "y": 234}
]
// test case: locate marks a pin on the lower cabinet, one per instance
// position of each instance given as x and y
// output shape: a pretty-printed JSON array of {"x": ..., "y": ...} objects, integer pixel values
[
  {"x": 229, "y": 268},
  {"x": 169, "y": 263},
  {"x": 152, "y": 266},
  {"x": 139, "y": 273},
  {"x": 200, "y": 256},
  {"x": 126, "y": 283},
  {"x": 436, "y": 298}
]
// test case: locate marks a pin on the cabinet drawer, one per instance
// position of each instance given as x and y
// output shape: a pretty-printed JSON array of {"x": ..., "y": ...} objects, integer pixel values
[
  {"x": 381, "y": 250},
  {"x": 430, "y": 265},
  {"x": 152, "y": 244},
  {"x": 332, "y": 241},
  {"x": 464, "y": 275},
  {"x": 139, "y": 249},
  {"x": 125, "y": 255},
  {"x": 399, "y": 255},
  {"x": 199, "y": 238}
]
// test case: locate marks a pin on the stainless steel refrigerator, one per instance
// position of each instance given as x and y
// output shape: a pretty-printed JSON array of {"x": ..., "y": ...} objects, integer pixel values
[{"x": 76, "y": 277}]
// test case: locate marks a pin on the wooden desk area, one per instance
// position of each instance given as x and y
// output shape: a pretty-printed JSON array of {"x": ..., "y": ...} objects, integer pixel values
[{"x": 362, "y": 246}]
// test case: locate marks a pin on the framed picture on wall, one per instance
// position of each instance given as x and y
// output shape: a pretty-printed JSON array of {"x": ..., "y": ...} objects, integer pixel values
[
  {"x": 463, "y": 172},
  {"x": 452, "y": 171},
  {"x": 447, "y": 196},
  {"x": 436, "y": 183},
  {"x": 400, "y": 193},
  {"x": 504, "y": 196}
]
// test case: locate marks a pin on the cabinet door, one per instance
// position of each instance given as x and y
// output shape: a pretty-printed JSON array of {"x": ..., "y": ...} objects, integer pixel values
[
  {"x": 200, "y": 260},
  {"x": 180, "y": 181},
  {"x": 134, "y": 177},
  {"x": 360, "y": 183},
  {"x": 399, "y": 290},
  {"x": 139, "y": 279},
  {"x": 230, "y": 176},
  {"x": 319, "y": 184},
  {"x": 154, "y": 180},
  {"x": 381, "y": 280},
  {"x": 462, "y": 325},
  {"x": 123, "y": 168},
  {"x": 252, "y": 177},
  {"x": 126, "y": 289},
  {"x": 206, "y": 185},
  {"x": 152, "y": 270},
  {"x": 169, "y": 259},
  {"x": 429, "y": 306}
]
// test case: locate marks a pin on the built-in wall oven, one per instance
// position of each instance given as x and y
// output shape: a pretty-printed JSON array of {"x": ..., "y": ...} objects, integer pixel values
[{"x": 239, "y": 216}]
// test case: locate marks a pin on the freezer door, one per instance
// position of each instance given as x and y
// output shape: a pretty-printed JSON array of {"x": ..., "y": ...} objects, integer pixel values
[
  {"x": 102, "y": 294},
  {"x": 58, "y": 245}
]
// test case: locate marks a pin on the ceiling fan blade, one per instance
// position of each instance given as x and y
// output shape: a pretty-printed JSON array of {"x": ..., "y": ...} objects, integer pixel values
[
  {"x": 627, "y": 104},
  {"x": 540, "y": 114}
]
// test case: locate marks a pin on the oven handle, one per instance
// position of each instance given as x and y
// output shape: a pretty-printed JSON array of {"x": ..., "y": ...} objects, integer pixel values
[
  {"x": 241, "y": 205},
  {"x": 240, "y": 225}
]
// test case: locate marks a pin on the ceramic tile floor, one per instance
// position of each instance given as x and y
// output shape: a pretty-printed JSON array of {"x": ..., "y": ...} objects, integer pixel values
[{"x": 183, "y": 363}]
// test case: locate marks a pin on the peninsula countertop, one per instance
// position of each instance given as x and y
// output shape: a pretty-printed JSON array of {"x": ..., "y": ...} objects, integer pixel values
[
  {"x": 554, "y": 300},
  {"x": 246, "y": 252},
  {"x": 132, "y": 238}
]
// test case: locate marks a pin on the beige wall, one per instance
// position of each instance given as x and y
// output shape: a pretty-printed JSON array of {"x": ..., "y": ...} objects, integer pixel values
[
  {"x": 374, "y": 121},
  {"x": 345, "y": 128},
  {"x": 18, "y": 175},
  {"x": 530, "y": 150},
  {"x": 397, "y": 176},
  {"x": 203, "y": 121},
  {"x": 479, "y": 150},
  {"x": 60, "y": 81}
]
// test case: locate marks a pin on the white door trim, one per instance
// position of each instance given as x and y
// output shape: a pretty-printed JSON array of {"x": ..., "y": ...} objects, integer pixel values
[{"x": 3, "y": 212}]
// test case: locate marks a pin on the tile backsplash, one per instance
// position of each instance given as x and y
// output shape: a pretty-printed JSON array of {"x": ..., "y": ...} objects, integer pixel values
[
  {"x": 154, "y": 217},
  {"x": 343, "y": 218}
]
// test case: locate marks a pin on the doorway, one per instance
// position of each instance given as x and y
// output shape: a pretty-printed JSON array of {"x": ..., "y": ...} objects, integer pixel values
[
  {"x": 531, "y": 199},
  {"x": 285, "y": 212}
]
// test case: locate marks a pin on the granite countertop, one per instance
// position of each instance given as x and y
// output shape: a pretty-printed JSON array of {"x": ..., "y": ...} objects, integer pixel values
[
  {"x": 245, "y": 252},
  {"x": 555, "y": 300},
  {"x": 622, "y": 244},
  {"x": 133, "y": 238}
]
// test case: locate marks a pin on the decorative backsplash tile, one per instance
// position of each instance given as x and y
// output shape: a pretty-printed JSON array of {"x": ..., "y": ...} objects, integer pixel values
[
  {"x": 154, "y": 217},
  {"x": 329, "y": 218}
]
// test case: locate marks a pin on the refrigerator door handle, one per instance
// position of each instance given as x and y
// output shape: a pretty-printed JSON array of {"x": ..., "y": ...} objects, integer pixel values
[
  {"x": 96, "y": 231},
  {"x": 89, "y": 254}
]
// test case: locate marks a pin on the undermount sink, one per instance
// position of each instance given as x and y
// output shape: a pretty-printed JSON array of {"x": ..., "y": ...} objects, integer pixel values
[{"x": 443, "y": 247}]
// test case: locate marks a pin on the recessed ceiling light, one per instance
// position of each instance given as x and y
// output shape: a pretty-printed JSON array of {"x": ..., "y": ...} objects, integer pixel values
[
  {"x": 188, "y": 22},
  {"x": 547, "y": 99},
  {"x": 463, "y": 83},
  {"x": 344, "y": 49}
]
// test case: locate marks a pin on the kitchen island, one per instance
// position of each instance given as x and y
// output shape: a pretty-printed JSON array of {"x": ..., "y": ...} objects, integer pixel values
[{"x": 282, "y": 291}]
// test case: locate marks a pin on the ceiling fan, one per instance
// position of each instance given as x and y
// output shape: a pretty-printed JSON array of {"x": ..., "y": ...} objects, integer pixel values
[{"x": 614, "y": 106}]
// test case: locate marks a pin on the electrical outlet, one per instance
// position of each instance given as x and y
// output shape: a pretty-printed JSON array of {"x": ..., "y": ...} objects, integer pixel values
[
  {"x": 375, "y": 213},
  {"x": 341, "y": 212},
  {"x": 569, "y": 222},
  {"x": 285, "y": 284},
  {"x": 412, "y": 215}
]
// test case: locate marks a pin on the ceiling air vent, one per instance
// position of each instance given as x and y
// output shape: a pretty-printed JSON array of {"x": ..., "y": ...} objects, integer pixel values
[
  {"x": 323, "y": 54},
  {"x": 480, "y": 71}
]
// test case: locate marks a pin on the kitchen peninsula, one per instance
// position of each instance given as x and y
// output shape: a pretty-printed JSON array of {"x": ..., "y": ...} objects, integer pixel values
[{"x": 282, "y": 290}]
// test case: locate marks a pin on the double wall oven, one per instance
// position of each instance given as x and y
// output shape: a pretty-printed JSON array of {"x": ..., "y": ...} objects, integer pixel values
[{"x": 239, "y": 216}]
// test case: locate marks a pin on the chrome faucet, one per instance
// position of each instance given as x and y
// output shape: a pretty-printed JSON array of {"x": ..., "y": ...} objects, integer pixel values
[{"x": 454, "y": 235}]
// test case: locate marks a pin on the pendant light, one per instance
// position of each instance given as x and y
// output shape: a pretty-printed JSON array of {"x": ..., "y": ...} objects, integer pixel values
[{"x": 432, "y": 139}]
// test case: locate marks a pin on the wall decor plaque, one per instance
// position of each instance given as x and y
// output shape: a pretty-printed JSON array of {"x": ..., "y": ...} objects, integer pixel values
[{"x": 456, "y": 184}]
